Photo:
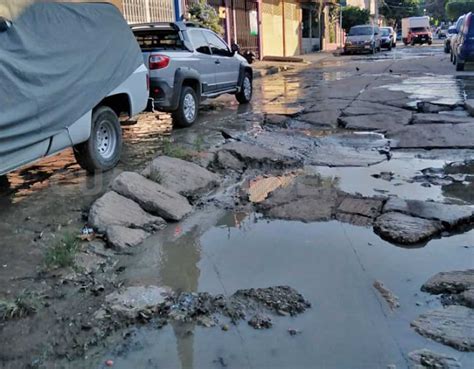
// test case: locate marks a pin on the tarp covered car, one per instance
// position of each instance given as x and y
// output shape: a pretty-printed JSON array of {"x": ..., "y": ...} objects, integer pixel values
[{"x": 65, "y": 70}]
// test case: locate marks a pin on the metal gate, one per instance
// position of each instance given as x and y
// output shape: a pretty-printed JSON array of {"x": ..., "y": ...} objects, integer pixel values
[
  {"x": 242, "y": 11},
  {"x": 143, "y": 11}
]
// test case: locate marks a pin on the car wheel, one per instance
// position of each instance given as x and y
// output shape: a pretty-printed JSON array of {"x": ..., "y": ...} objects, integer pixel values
[
  {"x": 103, "y": 149},
  {"x": 389, "y": 47},
  {"x": 188, "y": 108},
  {"x": 459, "y": 65},
  {"x": 246, "y": 90}
]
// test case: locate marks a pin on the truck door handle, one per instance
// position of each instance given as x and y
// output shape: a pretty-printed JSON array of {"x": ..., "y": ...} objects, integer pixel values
[{"x": 217, "y": 61}]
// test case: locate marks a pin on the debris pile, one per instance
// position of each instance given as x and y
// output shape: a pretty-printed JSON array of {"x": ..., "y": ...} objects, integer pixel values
[{"x": 205, "y": 309}]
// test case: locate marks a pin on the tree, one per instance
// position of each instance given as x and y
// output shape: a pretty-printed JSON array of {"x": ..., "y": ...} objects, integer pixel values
[
  {"x": 353, "y": 16},
  {"x": 395, "y": 10},
  {"x": 436, "y": 9},
  {"x": 205, "y": 15},
  {"x": 454, "y": 9}
]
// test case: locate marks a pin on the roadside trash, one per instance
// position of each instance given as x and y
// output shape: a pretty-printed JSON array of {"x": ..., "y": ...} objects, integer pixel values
[
  {"x": 87, "y": 234},
  {"x": 109, "y": 363},
  {"x": 293, "y": 332}
]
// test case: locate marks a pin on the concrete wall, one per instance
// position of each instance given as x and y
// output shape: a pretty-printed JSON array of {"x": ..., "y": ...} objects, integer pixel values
[{"x": 11, "y": 8}]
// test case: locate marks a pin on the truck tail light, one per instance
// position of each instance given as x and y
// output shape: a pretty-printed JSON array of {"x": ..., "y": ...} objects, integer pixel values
[{"x": 157, "y": 61}]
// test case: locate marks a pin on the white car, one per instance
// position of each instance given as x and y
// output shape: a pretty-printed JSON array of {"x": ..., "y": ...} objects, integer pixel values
[{"x": 73, "y": 96}]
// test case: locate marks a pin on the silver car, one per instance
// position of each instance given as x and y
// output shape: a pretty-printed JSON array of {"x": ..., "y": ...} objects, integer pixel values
[
  {"x": 188, "y": 64},
  {"x": 363, "y": 39}
]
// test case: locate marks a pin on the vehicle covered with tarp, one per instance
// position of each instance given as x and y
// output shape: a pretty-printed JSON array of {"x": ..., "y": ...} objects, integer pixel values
[{"x": 60, "y": 63}]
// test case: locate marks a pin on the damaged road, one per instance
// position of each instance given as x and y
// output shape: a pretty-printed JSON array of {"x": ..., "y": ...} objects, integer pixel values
[{"x": 323, "y": 188}]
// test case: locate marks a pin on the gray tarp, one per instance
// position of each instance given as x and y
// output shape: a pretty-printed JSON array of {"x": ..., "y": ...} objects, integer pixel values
[{"x": 57, "y": 61}]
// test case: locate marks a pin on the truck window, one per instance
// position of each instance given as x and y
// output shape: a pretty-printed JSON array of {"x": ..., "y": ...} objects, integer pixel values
[
  {"x": 218, "y": 47},
  {"x": 158, "y": 39},
  {"x": 419, "y": 29},
  {"x": 199, "y": 41},
  {"x": 361, "y": 31}
]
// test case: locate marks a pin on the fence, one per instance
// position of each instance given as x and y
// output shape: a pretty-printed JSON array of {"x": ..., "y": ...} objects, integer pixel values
[{"x": 142, "y": 11}]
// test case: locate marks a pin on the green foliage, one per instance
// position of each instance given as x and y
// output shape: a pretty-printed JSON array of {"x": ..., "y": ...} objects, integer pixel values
[
  {"x": 354, "y": 16},
  {"x": 61, "y": 254},
  {"x": 454, "y": 9},
  {"x": 174, "y": 150},
  {"x": 436, "y": 10},
  {"x": 26, "y": 303},
  {"x": 395, "y": 10},
  {"x": 205, "y": 15}
]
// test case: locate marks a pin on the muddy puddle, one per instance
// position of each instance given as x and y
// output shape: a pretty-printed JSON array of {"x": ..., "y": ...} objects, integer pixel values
[
  {"x": 405, "y": 176},
  {"x": 334, "y": 265},
  {"x": 439, "y": 89}
]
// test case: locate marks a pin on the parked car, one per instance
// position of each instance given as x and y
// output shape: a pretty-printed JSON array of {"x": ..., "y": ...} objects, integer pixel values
[
  {"x": 442, "y": 32},
  {"x": 364, "y": 38},
  {"x": 189, "y": 64},
  {"x": 387, "y": 38},
  {"x": 463, "y": 51},
  {"x": 447, "y": 42},
  {"x": 416, "y": 30},
  {"x": 455, "y": 39},
  {"x": 72, "y": 97}
]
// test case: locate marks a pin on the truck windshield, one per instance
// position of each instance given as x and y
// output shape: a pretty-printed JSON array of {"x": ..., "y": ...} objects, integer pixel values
[
  {"x": 419, "y": 29},
  {"x": 158, "y": 39},
  {"x": 361, "y": 31}
]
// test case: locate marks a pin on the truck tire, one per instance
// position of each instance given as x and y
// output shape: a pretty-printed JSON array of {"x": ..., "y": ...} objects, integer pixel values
[
  {"x": 459, "y": 65},
  {"x": 188, "y": 108},
  {"x": 246, "y": 90},
  {"x": 103, "y": 149}
]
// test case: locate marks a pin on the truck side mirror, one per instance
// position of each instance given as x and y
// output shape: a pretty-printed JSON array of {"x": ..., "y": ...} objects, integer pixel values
[{"x": 235, "y": 49}]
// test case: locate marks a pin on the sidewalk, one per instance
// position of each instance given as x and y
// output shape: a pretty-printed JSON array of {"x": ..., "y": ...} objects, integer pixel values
[{"x": 266, "y": 68}]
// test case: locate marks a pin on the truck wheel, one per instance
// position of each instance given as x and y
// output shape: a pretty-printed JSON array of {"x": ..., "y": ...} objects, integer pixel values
[
  {"x": 188, "y": 108},
  {"x": 102, "y": 151},
  {"x": 246, "y": 90},
  {"x": 459, "y": 65}
]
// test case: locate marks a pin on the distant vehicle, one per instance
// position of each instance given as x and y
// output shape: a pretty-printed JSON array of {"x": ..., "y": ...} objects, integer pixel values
[
  {"x": 364, "y": 38},
  {"x": 416, "y": 30},
  {"x": 463, "y": 51},
  {"x": 442, "y": 32},
  {"x": 455, "y": 38},
  {"x": 387, "y": 38},
  {"x": 72, "y": 98},
  {"x": 452, "y": 32},
  {"x": 188, "y": 64}
]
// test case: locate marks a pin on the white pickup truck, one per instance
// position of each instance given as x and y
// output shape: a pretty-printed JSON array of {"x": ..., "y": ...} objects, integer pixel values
[{"x": 74, "y": 95}]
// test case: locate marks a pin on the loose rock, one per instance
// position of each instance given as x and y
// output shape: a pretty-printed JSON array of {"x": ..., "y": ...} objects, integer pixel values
[
  {"x": 449, "y": 215},
  {"x": 151, "y": 196},
  {"x": 186, "y": 178},
  {"x": 450, "y": 282},
  {"x": 121, "y": 238},
  {"x": 425, "y": 358},
  {"x": 405, "y": 229},
  {"x": 133, "y": 300},
  {"x": 388, "y": 295},
  {"x": 114, "y": 209},
  {"x": 452, "y": 326}
]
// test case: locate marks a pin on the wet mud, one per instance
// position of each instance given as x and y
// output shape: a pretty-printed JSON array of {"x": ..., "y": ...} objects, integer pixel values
[{"x": 298, "y": 195}]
